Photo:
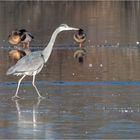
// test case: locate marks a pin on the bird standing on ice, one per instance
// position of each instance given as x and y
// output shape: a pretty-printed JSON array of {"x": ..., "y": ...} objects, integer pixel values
[{"x": 32, "y": 64}]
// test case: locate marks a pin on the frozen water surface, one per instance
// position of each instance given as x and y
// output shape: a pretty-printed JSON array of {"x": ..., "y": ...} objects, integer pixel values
[{"x": 96, "y": 99}]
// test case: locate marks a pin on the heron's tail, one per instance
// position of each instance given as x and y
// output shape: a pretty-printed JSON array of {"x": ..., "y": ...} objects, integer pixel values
[{"x": 10, "y": 71}]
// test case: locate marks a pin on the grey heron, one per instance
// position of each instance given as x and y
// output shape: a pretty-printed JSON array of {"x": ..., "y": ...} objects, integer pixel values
[{"x": 32, "y": 64}]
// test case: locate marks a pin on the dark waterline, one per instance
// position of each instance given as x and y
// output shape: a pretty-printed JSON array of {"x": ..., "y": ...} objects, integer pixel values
[{"x": 71, "y": 83}]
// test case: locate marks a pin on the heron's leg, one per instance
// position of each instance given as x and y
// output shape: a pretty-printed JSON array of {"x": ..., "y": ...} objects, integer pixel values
[
  {"x": 33, "y": 82},
  {"x": 16, "y": 96},
  {"x": 23, "y": 45},
  {"x": 18, "y": 109},
  {"x": 28, "y": 44}
]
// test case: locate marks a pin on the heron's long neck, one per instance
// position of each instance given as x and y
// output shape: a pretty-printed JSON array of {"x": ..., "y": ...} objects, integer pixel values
[{"x": 47, "y": 51}]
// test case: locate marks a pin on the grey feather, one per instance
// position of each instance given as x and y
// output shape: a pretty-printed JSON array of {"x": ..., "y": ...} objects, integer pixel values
[{"x": 29, "y": 63}]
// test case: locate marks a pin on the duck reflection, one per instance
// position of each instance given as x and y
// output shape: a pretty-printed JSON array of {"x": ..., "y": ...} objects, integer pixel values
[
  {"x": 79, "y": 54},
  {"x": 17, "y": 53}
]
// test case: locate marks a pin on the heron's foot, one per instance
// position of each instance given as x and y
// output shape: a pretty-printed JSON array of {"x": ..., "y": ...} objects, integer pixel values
[
  {"x": 16, "y": 97},
  {"x": 41, "y": 97}
]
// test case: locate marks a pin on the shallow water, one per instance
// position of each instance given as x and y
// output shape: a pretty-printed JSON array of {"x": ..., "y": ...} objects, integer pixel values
[{"x": 86, "y": 101}]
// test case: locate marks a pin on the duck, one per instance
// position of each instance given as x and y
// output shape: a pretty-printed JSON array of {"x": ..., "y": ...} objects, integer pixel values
[
  {"x": 26, "y": 37},
  {"x": 21, "y": 36},
  {"x": 14, "y": 38},
  {"x": 80, "y": 37}
]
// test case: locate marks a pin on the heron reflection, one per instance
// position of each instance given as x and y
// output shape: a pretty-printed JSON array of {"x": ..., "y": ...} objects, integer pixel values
[{"x": 28, "y": 116}]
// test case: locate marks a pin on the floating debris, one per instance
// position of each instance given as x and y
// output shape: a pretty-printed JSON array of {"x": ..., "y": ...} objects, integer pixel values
[
  {"x": 86, "y": 132},
  {"x": 24, "y": 91},
  {"x": 118, "y": 44},
  {"x": 101, "y": 65},
  {"x": 137, "y": 42},
  {"x": 106, "y": 41},
  {"x": 90, "y": 65}
]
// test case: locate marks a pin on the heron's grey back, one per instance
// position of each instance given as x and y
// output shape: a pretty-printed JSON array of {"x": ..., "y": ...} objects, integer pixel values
[{"x": 28, "y": 64}]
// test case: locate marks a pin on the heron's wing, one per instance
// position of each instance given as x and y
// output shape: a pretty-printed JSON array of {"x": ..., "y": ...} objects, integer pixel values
[{"x": 29, "y": 63}]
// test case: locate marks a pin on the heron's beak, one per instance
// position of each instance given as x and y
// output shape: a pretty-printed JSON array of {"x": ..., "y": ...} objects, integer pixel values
[{"x": 71, "y": 28}]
